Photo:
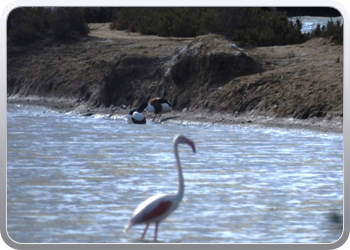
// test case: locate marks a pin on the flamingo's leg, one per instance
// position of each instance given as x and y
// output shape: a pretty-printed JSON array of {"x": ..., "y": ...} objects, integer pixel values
[
  {"x": 144, "y": 232},
  {"x": 156, "y": 232}
]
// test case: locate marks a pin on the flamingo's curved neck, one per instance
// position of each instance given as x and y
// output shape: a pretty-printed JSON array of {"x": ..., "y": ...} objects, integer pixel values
[{"x": 181, "y": 187}]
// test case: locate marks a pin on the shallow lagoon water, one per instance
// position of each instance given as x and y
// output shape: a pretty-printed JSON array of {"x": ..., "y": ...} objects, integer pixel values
[{"x": 74, "y": 179}]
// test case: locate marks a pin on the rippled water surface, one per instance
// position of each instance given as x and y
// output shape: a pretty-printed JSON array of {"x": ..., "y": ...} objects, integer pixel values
[{"x": 73, "y": 179}]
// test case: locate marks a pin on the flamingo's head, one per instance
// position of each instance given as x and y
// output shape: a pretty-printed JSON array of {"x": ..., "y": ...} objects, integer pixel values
[{"x": 185, "y": 140}]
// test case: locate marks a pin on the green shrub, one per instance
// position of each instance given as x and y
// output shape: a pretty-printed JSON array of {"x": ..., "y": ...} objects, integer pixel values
[
  {"x": 332, "y": 29},
  {"x": 162, "y": 21},
  {"x": 98, "y": 14},
  {"x": 250, "y": 25},
  {"x": 26, "y": 24},
  {"x": 68, "y": 23},
  {"x": 262, "y": 28}
]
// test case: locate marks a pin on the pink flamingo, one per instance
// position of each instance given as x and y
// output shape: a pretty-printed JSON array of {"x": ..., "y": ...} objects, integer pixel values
[{"x": 158, "y": 207}]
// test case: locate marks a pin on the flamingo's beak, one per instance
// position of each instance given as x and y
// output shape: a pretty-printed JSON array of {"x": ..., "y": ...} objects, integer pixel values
[{"x": 192, "y": 145}]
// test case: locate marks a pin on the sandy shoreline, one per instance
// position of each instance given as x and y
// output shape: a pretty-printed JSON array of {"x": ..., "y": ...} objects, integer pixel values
[{"x": 335, "y": 125}]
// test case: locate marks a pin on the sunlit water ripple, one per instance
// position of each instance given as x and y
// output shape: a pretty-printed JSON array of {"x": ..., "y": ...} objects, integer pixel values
[{"x": 73, "y": 179}]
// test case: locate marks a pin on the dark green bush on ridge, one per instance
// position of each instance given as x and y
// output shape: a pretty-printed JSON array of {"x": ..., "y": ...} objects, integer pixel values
[
  {"x": 26, "y": 24},
  {"x": 332, "y": 29},
  {"x": 68, "y": 22},
  {"x": 251, "y": 25}
]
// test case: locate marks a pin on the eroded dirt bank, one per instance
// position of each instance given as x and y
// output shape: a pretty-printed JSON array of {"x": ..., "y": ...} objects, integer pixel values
[{"x": 207, "y": 78}]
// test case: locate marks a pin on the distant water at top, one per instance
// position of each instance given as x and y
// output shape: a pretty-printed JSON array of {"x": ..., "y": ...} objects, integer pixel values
[{"x": 310, "y": 22}]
